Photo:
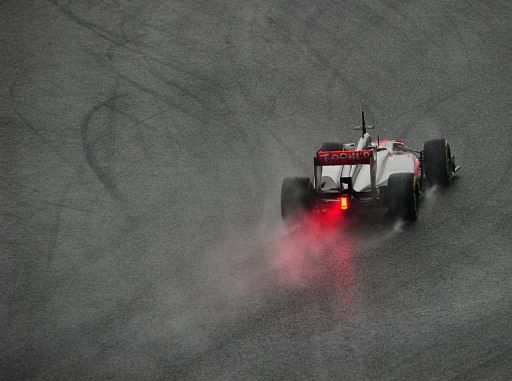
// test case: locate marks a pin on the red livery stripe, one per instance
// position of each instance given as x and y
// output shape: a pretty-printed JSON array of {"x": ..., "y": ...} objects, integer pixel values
[{"x": 344, "y": 157}]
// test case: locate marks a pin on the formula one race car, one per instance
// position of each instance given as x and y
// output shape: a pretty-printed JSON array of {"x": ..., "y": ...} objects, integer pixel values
[{"x": 385, "y": 173}]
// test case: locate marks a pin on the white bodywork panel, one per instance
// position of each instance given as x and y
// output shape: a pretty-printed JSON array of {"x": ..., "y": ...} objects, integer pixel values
[{"x": 387, "y": 163}]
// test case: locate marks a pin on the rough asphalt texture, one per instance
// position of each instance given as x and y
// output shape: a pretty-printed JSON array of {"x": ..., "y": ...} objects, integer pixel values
[{"x": 143, "y": 145}]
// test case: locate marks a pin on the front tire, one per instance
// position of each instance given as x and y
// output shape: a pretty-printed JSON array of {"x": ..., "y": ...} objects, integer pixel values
[
  {"x": 403, "y": 196},
  {"x": 297, "y": 197},
  {"x": 437, "y": 162}
]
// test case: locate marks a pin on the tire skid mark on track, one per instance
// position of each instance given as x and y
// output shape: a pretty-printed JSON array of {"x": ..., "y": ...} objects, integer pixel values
[
  {"x": 204, "y": 114},
  {"x": 257, "y": 111},
  {"x": 55, "y": 231},
  {"x": 472, "y": 373},
  {"x": 430, "y": 105},
  {"x": 451, "y": 14},
  {"x": 437, "y": 100},
  {"x": 44, "y": 203},
  {"x": 199, "y": 110},
  {"x": 67, "y": 11},
  {"x": 104, "y": 175},
  {"x": 204, "y": 108},
  {"x": 60, "y": 152},
  {"x": 184, "y": 91},
  {"x": 322, "y": 61},
  {"x": 118, "y": 39},
  {"x": 489, "y": 15},
  {"x": 255, "y": 115},
  {"x": 392, "y": 18}
]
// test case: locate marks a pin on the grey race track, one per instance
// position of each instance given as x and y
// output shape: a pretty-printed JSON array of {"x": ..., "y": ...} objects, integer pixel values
[{"x": 142, "y": 149}]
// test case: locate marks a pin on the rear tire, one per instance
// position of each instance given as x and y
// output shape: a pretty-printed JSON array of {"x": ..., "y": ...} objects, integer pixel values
[
  {"x": 297, "y": 197},
  {"x": 403, "y": 196},
  {"x": 437, "y": 162}
]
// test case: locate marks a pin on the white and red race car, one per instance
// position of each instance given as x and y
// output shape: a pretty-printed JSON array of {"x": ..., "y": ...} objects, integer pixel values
[{"x": 386, "y": 173}]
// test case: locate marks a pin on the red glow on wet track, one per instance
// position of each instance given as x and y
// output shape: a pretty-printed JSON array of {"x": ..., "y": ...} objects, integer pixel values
[{"x": 316, "y": 253}]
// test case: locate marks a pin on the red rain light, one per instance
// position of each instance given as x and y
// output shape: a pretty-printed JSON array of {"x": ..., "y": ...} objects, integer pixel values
[{"x": 344, "y": 202}]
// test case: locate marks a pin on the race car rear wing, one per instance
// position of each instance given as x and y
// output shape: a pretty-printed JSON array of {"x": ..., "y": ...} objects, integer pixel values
[
  {"x": 344, "y": 157},
  {"x": 336, "y": 157}
]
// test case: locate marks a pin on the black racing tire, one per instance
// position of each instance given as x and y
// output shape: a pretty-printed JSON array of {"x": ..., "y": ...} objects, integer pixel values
[
  {"x": 332, "y": 146},
  {"x": 297, "y": 197},
  {"x": 437, "y": 161},
  {"x": 403, "y": 196}
]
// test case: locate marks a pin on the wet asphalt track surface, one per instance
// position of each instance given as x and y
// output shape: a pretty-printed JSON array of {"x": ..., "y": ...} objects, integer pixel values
[{"x": 143, "y": 144}]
